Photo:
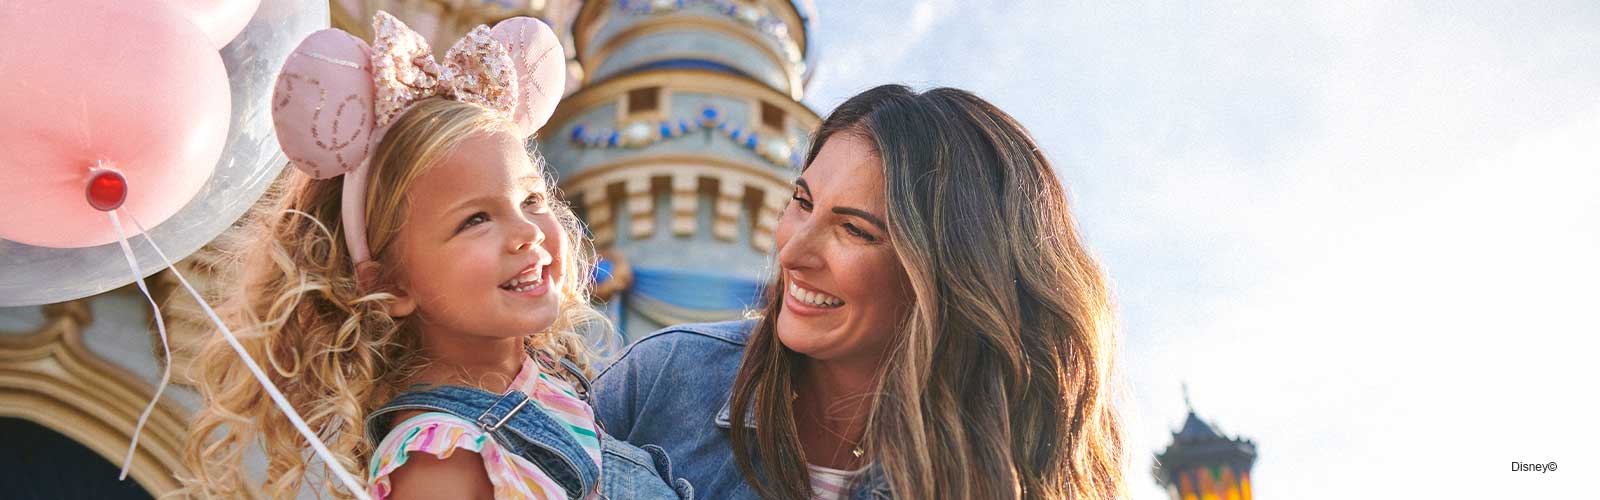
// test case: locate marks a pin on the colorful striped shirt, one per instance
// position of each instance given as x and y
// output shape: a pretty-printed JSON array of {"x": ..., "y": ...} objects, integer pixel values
[{"x": 513, "y": 477}]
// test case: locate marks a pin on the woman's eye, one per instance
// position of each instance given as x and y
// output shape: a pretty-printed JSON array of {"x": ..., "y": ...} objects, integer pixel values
[
  {"x": 857, "y": 232},
  {"x": 804, "y": 203},
  {"x": 473, "y": 220}
]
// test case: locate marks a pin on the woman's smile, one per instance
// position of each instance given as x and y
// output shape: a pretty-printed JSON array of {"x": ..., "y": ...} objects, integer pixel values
[{"x": 807, "y": 301}]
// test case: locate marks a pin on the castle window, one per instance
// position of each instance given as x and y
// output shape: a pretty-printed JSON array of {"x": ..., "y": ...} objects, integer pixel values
[
  {"x": 772, "y": 116},
  {"x": 645, "y": 100}
]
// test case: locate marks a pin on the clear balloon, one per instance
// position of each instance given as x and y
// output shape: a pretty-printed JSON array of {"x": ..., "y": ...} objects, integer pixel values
[
  {"x": 250, "y": 160},
  {"x": 221, "y": 20}
]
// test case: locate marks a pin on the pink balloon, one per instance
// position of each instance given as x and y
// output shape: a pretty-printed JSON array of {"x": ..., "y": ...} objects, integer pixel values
[
  {"x": 220, "y": 19},
  {"x": 130, "y": 86}
]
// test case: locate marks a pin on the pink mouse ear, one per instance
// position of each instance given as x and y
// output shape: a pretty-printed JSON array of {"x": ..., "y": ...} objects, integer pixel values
[
  {"x": 541, "y": 69},
  {"x": 322, "y": 105}
]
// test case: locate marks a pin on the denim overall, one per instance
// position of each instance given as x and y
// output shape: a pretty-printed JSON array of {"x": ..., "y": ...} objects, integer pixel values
[{"x": 627, "y": 472}]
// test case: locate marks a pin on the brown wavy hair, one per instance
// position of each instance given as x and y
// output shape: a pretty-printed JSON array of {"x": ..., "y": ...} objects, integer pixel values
[
  {"x": 329, "y": 345},
  {"x": 998, "y": 382}
]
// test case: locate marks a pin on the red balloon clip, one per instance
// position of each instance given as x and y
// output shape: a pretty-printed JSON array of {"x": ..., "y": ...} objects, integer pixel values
[{"x": 107, "y": 190}]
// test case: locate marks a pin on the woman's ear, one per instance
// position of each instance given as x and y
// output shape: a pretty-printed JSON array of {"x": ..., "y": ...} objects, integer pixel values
[{"x": 370, "y": 279}]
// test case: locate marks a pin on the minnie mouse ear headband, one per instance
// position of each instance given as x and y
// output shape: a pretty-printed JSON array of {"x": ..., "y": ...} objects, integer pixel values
[{"x": 336, "y": 96}]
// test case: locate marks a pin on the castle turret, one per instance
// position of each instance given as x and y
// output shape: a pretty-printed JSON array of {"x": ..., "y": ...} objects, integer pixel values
[{"x": 1202, "y": 464}]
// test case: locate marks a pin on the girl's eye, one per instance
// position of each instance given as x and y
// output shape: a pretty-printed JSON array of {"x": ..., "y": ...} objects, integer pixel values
[
  {"x": 857, "y": 232},
  {"x": 534, "y": 200},
  {"x": 473, "y": 220}
]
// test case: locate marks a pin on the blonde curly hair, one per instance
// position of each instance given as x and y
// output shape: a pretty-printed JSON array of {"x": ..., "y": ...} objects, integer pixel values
[{"x": 331, "y": 347}]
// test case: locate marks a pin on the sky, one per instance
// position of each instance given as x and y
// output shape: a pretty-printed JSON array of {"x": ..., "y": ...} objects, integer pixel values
[{"x": 1365, "y": 234}]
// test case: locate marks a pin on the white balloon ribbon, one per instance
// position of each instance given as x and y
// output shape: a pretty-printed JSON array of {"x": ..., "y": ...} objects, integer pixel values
[{"x": 356, "y": 487}]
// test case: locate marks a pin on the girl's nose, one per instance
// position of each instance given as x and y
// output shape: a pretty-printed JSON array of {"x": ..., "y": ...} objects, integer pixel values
[{"x": 528, "y": 235}]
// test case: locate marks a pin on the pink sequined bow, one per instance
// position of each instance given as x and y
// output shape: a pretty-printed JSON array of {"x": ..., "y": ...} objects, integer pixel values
[{"x": 477, "y": 69}]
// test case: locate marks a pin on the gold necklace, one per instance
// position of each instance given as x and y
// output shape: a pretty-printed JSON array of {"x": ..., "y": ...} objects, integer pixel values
[{"x": 855, "y": 446}]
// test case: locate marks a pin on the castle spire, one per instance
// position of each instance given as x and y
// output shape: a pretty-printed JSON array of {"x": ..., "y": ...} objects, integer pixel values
[{"x": 1203, "y": 463}]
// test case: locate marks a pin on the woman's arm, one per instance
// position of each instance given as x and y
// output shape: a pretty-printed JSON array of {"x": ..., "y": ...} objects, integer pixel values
[{"x": 617, "y": 388}]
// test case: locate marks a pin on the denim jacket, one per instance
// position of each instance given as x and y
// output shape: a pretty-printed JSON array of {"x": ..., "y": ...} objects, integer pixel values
[
  {"x": 674, "y": 388},
  {"x": 626, "y": 471}
]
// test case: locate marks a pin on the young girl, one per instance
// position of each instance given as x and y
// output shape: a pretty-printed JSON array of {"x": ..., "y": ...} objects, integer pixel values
[{"x": 421, "y": 311}]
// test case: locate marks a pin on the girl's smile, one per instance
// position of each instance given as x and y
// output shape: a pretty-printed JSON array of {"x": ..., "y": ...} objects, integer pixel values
[{"x": 531, "y": 282}]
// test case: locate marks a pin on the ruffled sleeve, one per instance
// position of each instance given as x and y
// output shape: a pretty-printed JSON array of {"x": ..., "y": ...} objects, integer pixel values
[{"x": 442, "y": 435}]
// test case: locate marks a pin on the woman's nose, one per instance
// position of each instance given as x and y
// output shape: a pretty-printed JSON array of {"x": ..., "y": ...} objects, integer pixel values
[{"x": 799, "y": 251}]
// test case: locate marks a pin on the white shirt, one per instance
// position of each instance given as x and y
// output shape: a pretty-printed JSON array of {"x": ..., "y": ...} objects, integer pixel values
[{"x": 831, "y": 484}]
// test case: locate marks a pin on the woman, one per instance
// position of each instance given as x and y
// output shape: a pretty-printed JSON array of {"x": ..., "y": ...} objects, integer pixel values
[{"x": 936, "y": 329}]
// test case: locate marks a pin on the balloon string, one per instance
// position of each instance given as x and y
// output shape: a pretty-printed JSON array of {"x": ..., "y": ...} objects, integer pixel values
[
  {"x": 255, "y": 369},
  {"x": 161, "y": 326}
]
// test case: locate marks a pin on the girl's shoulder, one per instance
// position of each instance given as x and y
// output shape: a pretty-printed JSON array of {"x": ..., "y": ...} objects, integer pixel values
[
  {"x": 436, "y": 439},
  {"x": 433, "y": 438},
  {"x": 421, "y": 471},
  {"x": 437, "y": 434}
]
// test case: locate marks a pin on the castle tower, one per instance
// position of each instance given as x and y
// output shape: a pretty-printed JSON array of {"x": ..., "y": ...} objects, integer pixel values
[
  {"x": 679, "y": 150},
  {"x": 1202, "y": 464}
]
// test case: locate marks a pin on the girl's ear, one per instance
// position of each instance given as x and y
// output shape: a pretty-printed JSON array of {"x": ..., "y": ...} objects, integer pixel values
[
  {"x": 403, "y": 304},
  {"x": 368, "y": 278}
]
